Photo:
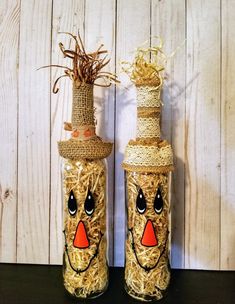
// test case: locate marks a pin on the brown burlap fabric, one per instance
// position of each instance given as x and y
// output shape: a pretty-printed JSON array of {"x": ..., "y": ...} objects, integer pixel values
[
  {"x": 89, "y": 149},
  {"x": 83, "y": 115},
  {"x": 148, "y": 112},
  {"x": 82, "y": 109}
]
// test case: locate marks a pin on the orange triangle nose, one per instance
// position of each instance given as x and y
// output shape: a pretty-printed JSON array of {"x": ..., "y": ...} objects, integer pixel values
[
  {"x": 81, "y": 239},
  {"x": 149, "y": 238}
]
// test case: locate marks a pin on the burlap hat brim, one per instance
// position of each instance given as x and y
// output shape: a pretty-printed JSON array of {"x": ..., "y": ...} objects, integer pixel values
[{"x": 90, "y": 149}]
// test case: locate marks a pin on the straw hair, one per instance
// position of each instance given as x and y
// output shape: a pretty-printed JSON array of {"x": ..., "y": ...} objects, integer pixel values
[
  {"x": 86, "y": 67},
  {"x": 147, "y": 66}
]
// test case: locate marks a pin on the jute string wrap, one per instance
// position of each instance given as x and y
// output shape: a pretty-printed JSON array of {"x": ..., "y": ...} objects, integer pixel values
[
  {"x": 84, "y": 144},
  {"x": 148, "y": 153}
]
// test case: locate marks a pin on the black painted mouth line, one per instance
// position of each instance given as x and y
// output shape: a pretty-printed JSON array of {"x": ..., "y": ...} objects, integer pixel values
[
  {"x": 134, "y": 250},
  {"x": 78, "y": 271}
]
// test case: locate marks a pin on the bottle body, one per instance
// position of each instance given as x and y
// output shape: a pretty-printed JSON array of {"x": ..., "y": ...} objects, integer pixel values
[
  {"x": 85, "y": 269},
  {"x": 147, "y": 272}
]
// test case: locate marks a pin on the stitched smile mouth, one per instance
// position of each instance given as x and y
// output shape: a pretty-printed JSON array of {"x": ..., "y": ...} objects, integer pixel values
[
  {"x": 77, "y": 270},
  {"x": 146, "y": 268}
]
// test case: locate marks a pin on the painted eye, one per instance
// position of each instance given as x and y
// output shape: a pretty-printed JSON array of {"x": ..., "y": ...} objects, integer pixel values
[
  {"x": 140, "y": 202},
  {"x": 158, "y": 202},
  {"x": 89, "y": 203},
  {"x": 72, "y": 203}
]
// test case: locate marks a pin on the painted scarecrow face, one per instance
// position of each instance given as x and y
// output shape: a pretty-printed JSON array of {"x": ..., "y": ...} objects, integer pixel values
[
  {"x": 148, "y": 217},
  {"x": 84, "y": 184}
]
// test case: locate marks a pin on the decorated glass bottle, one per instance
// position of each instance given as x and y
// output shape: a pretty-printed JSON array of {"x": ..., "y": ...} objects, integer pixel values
[
  {"x": 147, "y": 162},
  {"x": 85, "y": 267}
]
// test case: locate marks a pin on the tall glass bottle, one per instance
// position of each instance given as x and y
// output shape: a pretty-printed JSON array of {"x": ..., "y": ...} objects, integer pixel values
[
  {"x": 147, "y": 162},
  {"x": 85, "y": 268}
]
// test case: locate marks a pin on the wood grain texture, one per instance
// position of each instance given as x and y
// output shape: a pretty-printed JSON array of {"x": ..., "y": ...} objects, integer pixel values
[
  {"x": 202, "y": 142},
  {"x": 168, "y": 22},
  {"x": 100, "y": 29},
  {"x": 9, "y": 36},
  {"x": 67, "y": 17},
  {"x": 34, "y": 133},
  {"x": 133, "y": 29},
  {"x": 227, "y": 136}
]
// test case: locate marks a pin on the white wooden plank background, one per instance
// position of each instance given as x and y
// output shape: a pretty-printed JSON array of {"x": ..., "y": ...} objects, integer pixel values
[
  {"x": 202, "y": 160},
  {"x": 9, "y": 37},
  {"x": 34, "y": 133},
  {"x": 227, "y": 260},
  {"x": 198, "y": 120}
]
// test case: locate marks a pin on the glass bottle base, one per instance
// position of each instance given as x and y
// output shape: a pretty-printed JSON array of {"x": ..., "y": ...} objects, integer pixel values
[
  {"x": 143, "y": 297},
  {"x": 78, "y": 292}
]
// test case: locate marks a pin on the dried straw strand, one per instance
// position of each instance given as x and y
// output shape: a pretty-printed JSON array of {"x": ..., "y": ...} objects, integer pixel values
[
  {"x": 86, "y": 67},
  {"x": 147, "y": 66}
]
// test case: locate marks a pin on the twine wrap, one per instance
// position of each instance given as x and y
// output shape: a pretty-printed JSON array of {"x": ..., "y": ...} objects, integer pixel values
[{"x": 84, "y": 144}]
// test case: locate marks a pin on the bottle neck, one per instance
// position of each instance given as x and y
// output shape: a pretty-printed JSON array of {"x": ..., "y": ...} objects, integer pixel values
[
  {"x": 83, "y": 122},
  {"x": 82, "y": 107},
  {"x": 148, "y": 113}
]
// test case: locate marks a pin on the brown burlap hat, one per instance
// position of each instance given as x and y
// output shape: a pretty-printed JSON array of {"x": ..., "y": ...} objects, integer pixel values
[
  {"x": 91, "y": 149},
  {"x": 86, "y": 70},
  {"x": 84, "y": 143}
]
